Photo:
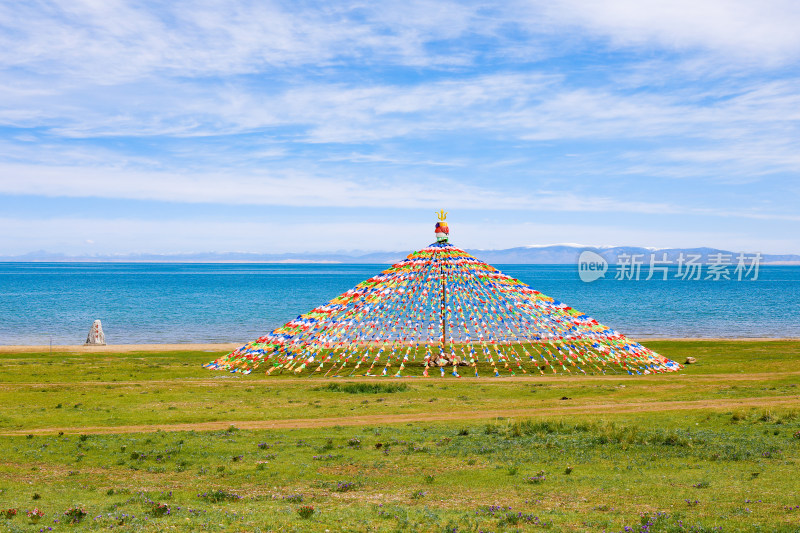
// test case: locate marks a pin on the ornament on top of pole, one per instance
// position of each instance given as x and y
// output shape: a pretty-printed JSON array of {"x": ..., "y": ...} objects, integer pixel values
[{"x": 442, "y": 230}]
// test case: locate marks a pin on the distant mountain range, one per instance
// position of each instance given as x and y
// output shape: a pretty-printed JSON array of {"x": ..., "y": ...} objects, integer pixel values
[{"x": 565, "y": 254}]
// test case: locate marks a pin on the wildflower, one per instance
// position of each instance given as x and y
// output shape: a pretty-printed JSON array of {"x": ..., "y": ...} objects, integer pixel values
[{"x": 305, "y": 511}]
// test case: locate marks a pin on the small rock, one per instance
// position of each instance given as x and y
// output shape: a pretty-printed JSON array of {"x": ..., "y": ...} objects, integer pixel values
[{"x": 690, "y": 360}]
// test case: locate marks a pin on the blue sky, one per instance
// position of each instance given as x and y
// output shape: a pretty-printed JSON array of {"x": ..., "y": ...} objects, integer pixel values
[{"x": 305, "y": 126}]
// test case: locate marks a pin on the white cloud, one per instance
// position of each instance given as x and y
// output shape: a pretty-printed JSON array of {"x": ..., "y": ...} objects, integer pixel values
[
  {"x": 114, "y": 40},
  {"x": 324, "y": 112},
  {"x": 284, "y": 187},
  {"x": 531, "y": 107},
  {"x": 735, "y": 162},
  {"x": 298, "y": 189},
  {"x": 380, "y": 158},
  {"x": 762, "y": 32}
]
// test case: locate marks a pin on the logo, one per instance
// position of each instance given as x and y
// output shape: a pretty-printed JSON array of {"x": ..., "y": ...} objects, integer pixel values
[{"x": 591, "y": 266}]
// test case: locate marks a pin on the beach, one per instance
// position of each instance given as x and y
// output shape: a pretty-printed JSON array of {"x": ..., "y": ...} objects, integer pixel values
[
  {"x": 229, "y": 346},
  {"x": 123, "y": 348}
]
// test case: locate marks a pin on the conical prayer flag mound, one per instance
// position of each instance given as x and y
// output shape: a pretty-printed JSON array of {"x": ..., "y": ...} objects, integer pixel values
[{"x": 441, "y": 307}]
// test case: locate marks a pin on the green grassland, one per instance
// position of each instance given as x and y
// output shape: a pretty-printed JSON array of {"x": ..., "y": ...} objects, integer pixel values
[{"x": 152, "y": 441}]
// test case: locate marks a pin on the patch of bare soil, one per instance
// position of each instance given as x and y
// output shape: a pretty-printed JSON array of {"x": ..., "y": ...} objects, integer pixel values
[{"x": 445, "y": 416}]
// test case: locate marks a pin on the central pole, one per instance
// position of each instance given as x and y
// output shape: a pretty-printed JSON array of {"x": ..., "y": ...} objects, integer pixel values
[
  {"x": 444, "y": 310},
  {"x": 442, "y": 232}
]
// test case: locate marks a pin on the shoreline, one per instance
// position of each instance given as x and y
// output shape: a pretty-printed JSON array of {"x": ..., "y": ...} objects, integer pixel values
[
  {"x": 116, "y": 348},
  {"x": 230, "y": 346}
]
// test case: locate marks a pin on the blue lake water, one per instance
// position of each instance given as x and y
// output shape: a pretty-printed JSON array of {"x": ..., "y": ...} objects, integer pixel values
[{"x": 186, "y": 303}]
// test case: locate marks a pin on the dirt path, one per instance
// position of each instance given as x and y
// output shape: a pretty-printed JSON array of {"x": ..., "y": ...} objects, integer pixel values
[{"x": 449, "y": 416}]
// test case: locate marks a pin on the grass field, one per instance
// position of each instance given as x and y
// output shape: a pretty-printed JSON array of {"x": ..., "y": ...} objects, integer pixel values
[{"x": 151, "y": 442}]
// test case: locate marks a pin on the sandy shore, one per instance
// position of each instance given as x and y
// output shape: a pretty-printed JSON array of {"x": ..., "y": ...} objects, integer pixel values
[
  {"x": 222, "y": 347},
  {"x": 117, "y": 348}
]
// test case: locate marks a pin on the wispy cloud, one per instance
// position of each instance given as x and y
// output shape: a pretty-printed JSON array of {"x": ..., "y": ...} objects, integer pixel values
[
  {"x": 296, "y": 189},
  {"x": 116, "y": 41},
  {"x": 524, "y": 106},
  {"x": 735, "y": 30},
  {"x": 285, "y": 187}
]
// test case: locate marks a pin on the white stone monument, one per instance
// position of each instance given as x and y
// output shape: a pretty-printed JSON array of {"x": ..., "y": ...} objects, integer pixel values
[{"x": 96, "y": 336}]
